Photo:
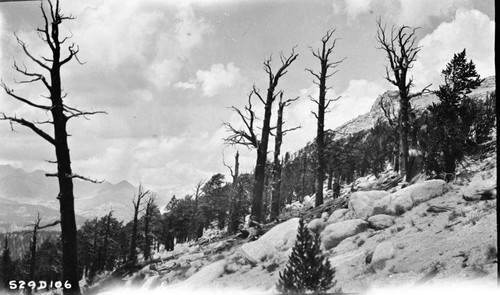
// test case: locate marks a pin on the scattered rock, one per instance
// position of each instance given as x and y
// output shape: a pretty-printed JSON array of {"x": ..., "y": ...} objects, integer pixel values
[
  {"x": 194, "y": 249},
  {"x": 151, "y": 282},
  {"x": 232, "y": 268},
  {"x": 180, "y": 249},
  {"x": 203, "y": 276},
  {"x": 220, "y": 246},
  {"x": 410, "y": 196},
  {"x": 337, "y": 215},
  {"x": 362, "y": 203},
  {"x": 482, "y": 186},
  {"x": 339, "y": 260},
  {"x": 381, "y": 221},
  {"x": 336, "y": 232},
  {"x": 190, "y": 257},
  {"x": 316, "y": 225},
  {"x": 382, "y": 253},
  {"x": 196, "y": 264},
  {"x": 274, "y": 242}
]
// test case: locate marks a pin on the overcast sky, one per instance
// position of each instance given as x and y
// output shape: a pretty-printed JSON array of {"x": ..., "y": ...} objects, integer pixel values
[{"x": 167, "y": 71}]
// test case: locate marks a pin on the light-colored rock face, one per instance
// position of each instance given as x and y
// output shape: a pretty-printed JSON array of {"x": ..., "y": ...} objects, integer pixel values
[
  {"x": 381, "y": 221},
  {"x": 362, "y": 204},
  {"x": 274, "y": 242},
  {"x": 411, "y": 196},
  {"x": 316, "y": 225},
  {"x": 337, "y": 216},
  {"x": 382, "y": 253},
  {"x": 480, "y": 183},
  {"x": 336, "y": 232},
  {"x": 202, "y": 277}
]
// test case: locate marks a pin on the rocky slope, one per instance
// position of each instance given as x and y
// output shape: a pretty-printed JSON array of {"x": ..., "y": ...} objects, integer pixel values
[{"x": 428, "y": 234}]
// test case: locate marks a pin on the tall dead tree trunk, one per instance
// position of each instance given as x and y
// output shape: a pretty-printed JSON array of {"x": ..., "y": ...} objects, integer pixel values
[
  {"x": 135, "y": 223},
  {"x": 303, "y": 191},
  {"x": 33, "y": 245},
  {"x": 94, "y": 266},
  {"x": 60, "y": 113},
  {"x": 33, "y": 262},
  {"x": 105, "y": 243},
  {"x": 401, "y": 50},
  {"x": 323, "y": 55},
  {"x": 392, "y": 119},
  {"x": 276, "y": 173},
  {"x": 150, "y": 205},
  {"x": 249, "y": 138},
  {"x": 235, "y": 199},
  {"x": 194, "y": 223}
]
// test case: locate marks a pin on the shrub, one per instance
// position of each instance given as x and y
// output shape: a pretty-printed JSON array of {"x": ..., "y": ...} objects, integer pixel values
[
  {"x": 491, "y": 253},
  {"x": 307, "y": 269},
  {"x": 400, "y": 210}
]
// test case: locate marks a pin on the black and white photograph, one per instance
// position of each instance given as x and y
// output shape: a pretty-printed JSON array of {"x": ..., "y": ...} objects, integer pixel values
[{"x": 248, "y": 147}]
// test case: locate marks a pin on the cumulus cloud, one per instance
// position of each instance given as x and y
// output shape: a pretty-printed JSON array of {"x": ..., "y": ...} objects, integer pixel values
[
  {"x": 218, "y": 78},
  {"x": 189, "y": 29},
  {"x": 408, "y": 12},
  {"x": 469, "y": 29},
  {"x": 185, "y": 85},
  {"x": 356, "y": 7},
  {"x": 418, "y": 13}
]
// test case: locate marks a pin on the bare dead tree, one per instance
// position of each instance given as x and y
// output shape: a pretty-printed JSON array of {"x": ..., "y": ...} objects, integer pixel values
[
  {"x": 278, "y": 140},
  {"x": 95, "y": 251},
  {"x": 141, "y": 194},
  {"x": 36, "y": 226},
  {"x": 197, "y": 194},
  {"x": 235, "y": 199},
  {"x": 401, "y": 49},
  {"x": 323, "y": 55},
  {"x": 55, "y": 104},
  {"x": 105, "y": 245},
  {"x": 392, "y": 118},
  {"x": 248, "y": 136},
  {"x": 150, "y": 206}
]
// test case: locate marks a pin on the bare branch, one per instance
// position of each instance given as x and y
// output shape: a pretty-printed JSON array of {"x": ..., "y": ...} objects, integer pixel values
[
  {"x": 256, "y": 92},
  {"x": 330, "y": 101},
  {"x": 313, "y": 73},
  {"x": 10, "y": 92},
  {"x": 77, "y": 113},
  {"x": 50, "y": 224},
  {"x": 423, "y": 91},
  {"x": 290, "y": 129},
  {"x": 84, "y": 178},
  {"x": 30, "y": 125},
  {"x": 25, "y": 49}
]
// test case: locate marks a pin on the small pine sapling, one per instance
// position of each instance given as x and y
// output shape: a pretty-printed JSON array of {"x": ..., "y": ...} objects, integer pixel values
[{"x": 307, "y": 269}]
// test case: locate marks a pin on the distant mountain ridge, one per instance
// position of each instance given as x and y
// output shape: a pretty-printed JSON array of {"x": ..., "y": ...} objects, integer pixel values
[
  {"x": 367, "y": 121},
  {"x": 23, "y": 194}
]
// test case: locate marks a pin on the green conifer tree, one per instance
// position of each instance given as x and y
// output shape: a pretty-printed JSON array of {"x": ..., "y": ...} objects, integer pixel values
[
  {"x": 7, "y": 266},
  {"x": 307, "y": 268},
  {"x": 451, "y": 119}
]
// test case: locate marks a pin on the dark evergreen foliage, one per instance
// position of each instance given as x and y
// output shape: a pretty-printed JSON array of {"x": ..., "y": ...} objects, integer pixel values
[
  {"x": 307, "y": 269},
  {"x": 7, "y": 267},
  {"x": 450, "y": 123}
]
